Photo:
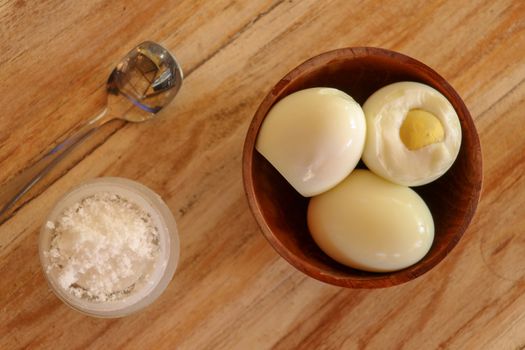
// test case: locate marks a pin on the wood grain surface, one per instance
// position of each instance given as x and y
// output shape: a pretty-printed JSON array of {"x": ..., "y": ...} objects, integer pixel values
[{"x": 232, "y": 290}]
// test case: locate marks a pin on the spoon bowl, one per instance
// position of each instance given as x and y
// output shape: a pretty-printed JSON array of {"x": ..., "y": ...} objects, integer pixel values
[{"x": 148, "y": 77}]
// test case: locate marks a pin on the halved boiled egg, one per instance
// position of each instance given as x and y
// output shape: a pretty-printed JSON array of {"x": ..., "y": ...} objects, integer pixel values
[{"x": 413, "y": 133}]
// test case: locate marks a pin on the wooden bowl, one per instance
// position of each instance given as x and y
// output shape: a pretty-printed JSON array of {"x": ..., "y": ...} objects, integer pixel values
[{"x": 281, "y": 212}]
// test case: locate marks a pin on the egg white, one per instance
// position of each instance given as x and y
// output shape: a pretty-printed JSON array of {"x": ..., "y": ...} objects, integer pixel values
[{"x": 314, "y": 138}]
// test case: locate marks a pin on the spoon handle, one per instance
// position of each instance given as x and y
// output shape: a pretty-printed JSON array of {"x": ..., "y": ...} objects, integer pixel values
[{"x": 17, "y": 187}]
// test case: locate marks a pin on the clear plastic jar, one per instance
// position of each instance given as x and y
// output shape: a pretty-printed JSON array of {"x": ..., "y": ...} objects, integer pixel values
[{"x": 168, "y": 256}]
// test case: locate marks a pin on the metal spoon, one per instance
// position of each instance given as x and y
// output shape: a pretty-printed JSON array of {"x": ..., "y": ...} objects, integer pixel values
[{"x": 148, "y": 77}]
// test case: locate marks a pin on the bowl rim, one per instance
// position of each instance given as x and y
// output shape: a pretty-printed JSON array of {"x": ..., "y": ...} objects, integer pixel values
[{"x": 383, "y": 279}]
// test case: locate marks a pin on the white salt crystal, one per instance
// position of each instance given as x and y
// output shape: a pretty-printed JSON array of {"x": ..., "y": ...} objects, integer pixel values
[{"x": 103, "y": 247}]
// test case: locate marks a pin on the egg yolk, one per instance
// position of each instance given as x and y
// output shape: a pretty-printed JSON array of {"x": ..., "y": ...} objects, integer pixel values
[{"x": 420, "y": 128}]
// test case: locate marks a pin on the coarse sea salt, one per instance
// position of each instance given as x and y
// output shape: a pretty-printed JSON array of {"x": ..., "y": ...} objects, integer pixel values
[{"x": 103, "y": 248}]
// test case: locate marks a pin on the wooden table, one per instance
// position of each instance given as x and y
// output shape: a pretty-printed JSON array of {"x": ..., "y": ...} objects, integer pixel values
[{"x": 231, "y": 290}]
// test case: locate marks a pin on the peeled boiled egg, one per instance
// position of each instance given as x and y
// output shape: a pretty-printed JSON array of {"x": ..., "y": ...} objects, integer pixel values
[
  {"x": 314, "y": 138},
  {"x": 413, "y": 133},
  {"x": 371, "y": 224}
]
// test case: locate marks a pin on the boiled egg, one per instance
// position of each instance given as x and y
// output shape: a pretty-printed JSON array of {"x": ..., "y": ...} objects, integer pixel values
[
  {"x": 371, "y": 224},
  {"x": 413, "y": 133},
  {"x": 314, "y": 138}
]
